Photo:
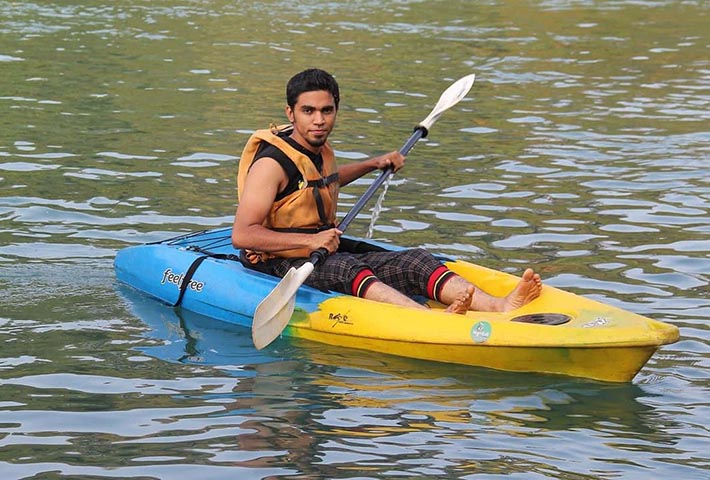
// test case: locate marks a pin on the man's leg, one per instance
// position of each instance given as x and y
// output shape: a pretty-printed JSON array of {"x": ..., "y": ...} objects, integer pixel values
[
  {"x": 418, "y": 272},
  {"x": 527, "y": 290},
  {"x": 353, "y": 274},
  {"x": 382, "y": 292}
]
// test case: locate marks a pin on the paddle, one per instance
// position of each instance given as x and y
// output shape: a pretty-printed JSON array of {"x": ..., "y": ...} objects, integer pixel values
[{"x": 274, "y": 312}]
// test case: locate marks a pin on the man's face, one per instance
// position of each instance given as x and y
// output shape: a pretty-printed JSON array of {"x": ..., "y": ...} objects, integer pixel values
[{"x": 313, "y": 118}]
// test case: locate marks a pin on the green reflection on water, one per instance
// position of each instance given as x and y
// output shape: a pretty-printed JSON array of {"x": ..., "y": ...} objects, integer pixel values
[{"x": 578, "y": 151}]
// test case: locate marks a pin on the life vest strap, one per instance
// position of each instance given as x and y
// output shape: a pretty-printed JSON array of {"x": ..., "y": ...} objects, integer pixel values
[
  {"x": 304, "y": 230},
  {"x": 316, "y": 185},
  {"x": 324, "y": 181}
]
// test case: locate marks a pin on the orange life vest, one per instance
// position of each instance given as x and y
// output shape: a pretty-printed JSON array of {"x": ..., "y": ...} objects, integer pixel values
[{"x": 309, "y": 209}]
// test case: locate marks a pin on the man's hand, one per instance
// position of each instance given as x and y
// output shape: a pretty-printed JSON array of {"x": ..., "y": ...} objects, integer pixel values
[
  {"x": 328, "y": 239},
  {"x": 394, "y": 158},
  {"x": 352, "y": 171}
]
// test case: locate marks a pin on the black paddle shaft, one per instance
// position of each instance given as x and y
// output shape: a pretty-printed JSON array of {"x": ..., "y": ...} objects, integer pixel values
[{"x": 419, "y": 133}]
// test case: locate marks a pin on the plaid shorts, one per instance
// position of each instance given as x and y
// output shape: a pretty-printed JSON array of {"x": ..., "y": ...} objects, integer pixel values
[{"x": 412, "y": 272}]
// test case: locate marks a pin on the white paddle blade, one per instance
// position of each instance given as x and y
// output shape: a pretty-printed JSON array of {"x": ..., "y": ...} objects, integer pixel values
[
  {"x": 451, "y": 96},
  {"x": 274, "y": 312},
  {"x": 269, "y": 331}
]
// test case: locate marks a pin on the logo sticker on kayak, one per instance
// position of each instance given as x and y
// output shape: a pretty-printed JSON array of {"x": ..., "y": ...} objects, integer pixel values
[
  {"x": 597, "y": 322},
  {"x": 177, "y": 279},
  {"x": 481, "y": 331},
  {"x": 339, "y": 319}
]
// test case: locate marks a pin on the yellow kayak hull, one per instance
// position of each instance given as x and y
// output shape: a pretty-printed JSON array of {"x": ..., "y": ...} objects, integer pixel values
[{"x": 598, "y": 341}]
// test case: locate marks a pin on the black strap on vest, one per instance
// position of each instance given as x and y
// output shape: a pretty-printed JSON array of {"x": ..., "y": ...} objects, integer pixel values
[
  {"x": 324, "y": 181},
  {"x": 316, "y": 185},
  {"x": 304, "y": 230}
]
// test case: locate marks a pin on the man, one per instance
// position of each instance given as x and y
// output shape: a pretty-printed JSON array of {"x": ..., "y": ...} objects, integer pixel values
[{"x": 288, "y": 190}]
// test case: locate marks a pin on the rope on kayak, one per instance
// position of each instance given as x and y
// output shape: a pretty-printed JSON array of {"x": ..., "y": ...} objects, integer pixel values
[
  {"x": 210, "y": 239},
  {"x": 188, "y": 278},
  {"x": 219, "y": 235},
  {"x": 195, "y": 264}
]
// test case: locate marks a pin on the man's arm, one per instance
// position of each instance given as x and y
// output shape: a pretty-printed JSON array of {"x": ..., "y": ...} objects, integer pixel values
[
  {"x": 265, "y": 179},
  {"x": 352, "y": 171}
]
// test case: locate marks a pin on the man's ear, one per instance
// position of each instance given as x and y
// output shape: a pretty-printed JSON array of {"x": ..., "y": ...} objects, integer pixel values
[{"x": 289, "y": 114}]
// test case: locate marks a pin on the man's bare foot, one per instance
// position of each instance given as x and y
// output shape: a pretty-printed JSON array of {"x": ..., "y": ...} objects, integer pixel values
[
  {"x": 527, "y": 290},
  {"x": 462, "y": 302}
]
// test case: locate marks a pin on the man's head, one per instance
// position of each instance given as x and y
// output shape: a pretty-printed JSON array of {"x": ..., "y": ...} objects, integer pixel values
[
  {"x": 312, "y": 98},
  {"x": 311, "y": 80}
]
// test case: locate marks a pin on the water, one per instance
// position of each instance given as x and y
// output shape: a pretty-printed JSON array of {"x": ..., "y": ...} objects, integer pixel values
[
  {"x": 377, "y": 208},
  {"x": 582, "y": 150}
]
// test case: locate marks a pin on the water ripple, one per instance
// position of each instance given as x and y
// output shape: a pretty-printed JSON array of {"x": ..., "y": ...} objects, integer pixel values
[{"x": 581, "y": 151}]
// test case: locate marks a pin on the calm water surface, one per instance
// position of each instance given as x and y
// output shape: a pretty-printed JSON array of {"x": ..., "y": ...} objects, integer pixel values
[{"x": 582, "y": 150}]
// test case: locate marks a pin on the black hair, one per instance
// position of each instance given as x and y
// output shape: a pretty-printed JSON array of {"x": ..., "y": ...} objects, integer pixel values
[{"x": 311, "y": 80}]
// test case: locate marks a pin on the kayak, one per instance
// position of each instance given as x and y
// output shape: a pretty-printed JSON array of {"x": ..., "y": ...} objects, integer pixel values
[{"x": 558, "y": 333}]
